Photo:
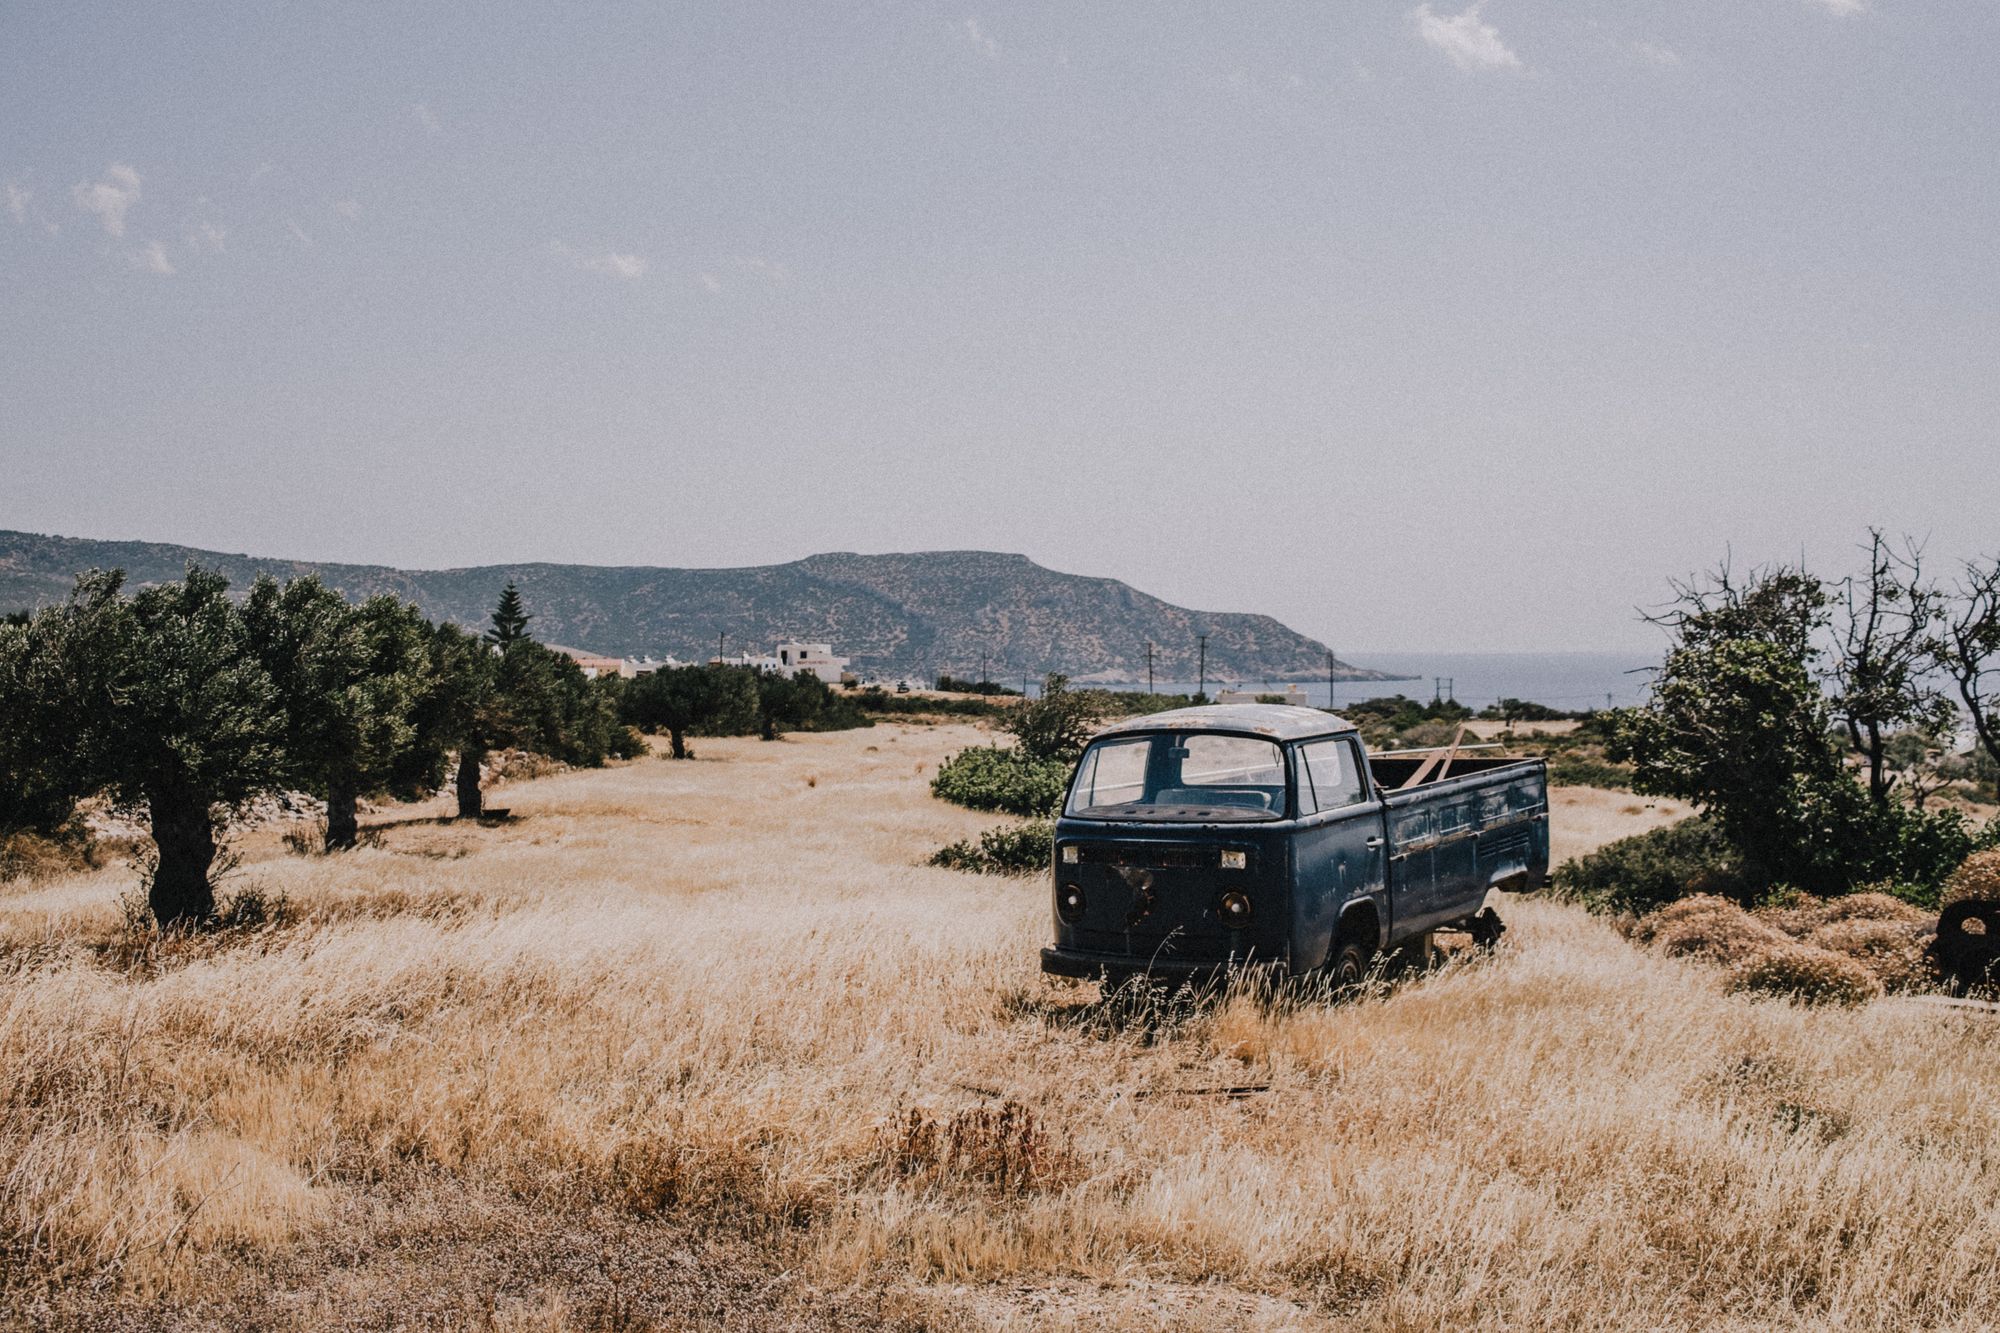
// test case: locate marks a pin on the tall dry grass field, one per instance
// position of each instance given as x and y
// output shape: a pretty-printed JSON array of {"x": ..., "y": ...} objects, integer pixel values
[{"x": 705, "y": 1045}]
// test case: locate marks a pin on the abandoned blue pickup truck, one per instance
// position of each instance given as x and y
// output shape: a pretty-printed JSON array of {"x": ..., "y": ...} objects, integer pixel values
[{"x": 1201, "y": 839}]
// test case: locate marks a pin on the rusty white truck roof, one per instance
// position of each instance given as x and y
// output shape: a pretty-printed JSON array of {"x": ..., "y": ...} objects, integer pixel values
[{"x": 1280, "y": 722}]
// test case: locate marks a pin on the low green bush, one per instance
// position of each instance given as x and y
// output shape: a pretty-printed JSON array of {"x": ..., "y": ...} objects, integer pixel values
[
  {"x": 1011, "y": 849},
  {"x": 1007, "y": 781},
  {"x": 1574, "y": 771},
  {"x": 1640, "y": 873},
  {"x": 875, "y": 699}
]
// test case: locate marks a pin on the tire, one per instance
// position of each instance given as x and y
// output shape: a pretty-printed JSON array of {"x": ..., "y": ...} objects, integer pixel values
[
  {"x": 1486, "y": 929},
  {"x": 1347, "y": 968}
]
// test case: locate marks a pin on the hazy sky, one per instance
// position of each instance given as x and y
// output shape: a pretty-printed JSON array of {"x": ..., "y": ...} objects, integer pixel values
[{"x": 1432, "y": 327}]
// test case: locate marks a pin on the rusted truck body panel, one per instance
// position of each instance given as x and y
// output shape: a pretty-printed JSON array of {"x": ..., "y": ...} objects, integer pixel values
[{"x": 1208, "y": 838}]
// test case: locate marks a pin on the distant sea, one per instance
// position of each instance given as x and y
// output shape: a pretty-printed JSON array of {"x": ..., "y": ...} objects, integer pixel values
[{"x": 1570, "y": 681}]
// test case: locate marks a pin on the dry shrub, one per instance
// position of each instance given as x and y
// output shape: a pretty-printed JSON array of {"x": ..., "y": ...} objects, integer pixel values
[
  {"x": 1697, "y": 906},
  {"x": 1806, "y": 974},
  {"x": 1978, "y": 876},
  {"x": 1713, "y": 929},
  {"x": 33, "y": 856},
  {"x": 1892, "y": 950},
  {"x": 1003, "y": 1148},
  {"x": 1801, "y": 918},
  {"x": 519, "y": 766}
]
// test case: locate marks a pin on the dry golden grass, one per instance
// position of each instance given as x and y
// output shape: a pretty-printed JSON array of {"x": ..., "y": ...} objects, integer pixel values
[{"x": 705, "y": 1045}]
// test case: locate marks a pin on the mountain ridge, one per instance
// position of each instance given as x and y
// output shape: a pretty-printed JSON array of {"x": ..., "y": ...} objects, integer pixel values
[{"x": 905, "y": 613}]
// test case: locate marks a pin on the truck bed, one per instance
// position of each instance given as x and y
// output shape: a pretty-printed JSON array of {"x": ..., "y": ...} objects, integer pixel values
[{"x": 1474, "y": 826}]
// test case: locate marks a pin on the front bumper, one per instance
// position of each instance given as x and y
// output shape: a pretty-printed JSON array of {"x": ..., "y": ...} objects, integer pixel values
[{"x": 1082, "y": 963}]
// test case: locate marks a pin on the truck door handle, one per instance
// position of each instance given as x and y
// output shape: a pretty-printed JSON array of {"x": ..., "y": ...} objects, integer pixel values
[{"x": 1372, "y": 843}]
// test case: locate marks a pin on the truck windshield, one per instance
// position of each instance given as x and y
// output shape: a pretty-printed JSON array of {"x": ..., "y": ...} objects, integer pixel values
[{"x": 1195, "y": 776}]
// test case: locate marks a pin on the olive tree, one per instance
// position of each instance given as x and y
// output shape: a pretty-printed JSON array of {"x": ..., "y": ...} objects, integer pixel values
[
  {"x": 347, "y": 679},
  {"x": 506, "y": 691},
  {"x": 688, "y": 699}
]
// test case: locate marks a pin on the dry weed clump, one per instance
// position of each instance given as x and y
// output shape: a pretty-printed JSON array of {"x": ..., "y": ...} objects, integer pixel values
[
  {"x": 1776, "y": 949},
  {"x": 1709, "y": 928},
  {"x": 1977, "y": 877},
  {"x": 1890, "y": 950},
  {"x": 1812, "y": 976},
  {"x": 1004, "y": 1148}
]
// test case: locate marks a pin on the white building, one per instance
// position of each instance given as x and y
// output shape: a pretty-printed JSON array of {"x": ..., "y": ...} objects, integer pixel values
[{"x": 792, "y": 658}]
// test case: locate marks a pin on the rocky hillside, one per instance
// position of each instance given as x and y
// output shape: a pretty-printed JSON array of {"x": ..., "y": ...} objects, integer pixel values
[{"x": 893, "y": 614}]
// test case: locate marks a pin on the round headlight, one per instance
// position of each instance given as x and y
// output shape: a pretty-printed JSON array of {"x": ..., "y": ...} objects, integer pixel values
[
  {"x": 1069, "y": 902},
  {"x": 1234, "y": 909}
]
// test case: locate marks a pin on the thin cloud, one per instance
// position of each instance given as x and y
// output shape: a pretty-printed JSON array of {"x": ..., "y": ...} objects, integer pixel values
[
  {"x": 979, "y": 38},
  {"x": 710, "y": 281},
  {"x": 422, "y": 110},
  {"x": 769, "y": 270},
  {"x": 1467, "y": 40},
  {"x": 205, "y": 236},
  {"x": 17, "y": 203},
  {"x": 348, "y": 209},
  {"x": 153, "y": 258},
  {"x": 608, "y": 262},
  {"x": 111, "y": 197},
  {"x": 1842, "y": 8},
  {"x": 298, "y": 232},
  {"x": 1658, "y": 53}
]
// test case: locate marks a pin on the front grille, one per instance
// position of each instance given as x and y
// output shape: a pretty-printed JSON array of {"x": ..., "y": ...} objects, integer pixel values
[{"x": 1147, "y": 856}]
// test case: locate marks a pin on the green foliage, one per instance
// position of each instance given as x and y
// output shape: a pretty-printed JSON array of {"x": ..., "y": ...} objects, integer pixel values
[
  {"x": 803, "y": 702},
  {"x": 1133, "y": 703},
  {"x": 46, "y": 731},
  {"x": 347, "y": 679},
  {"x": 956, "y": 685},
  {"x": 1010, "y": 849},
  {"x": 875, "y": 699},
  {"x": 1512, "y": 710},
  {"x": 1639, "y": 874},
  {"x": 681, "y": 701},
  {"x": 1577, "y": 771},
  {"x": 1056, "y": 726},
  {"x": 1739, "y": 725},
  {"x": 1011, "y": 781},
  {"x": 175, "y": 712},
  {"x": 510, "y": 620}
]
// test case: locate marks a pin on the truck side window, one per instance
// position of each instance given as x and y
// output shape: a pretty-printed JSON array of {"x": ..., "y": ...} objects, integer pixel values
[
  {"x": 1302, "y": 783},
  {"x": 1336, "y": 777}
]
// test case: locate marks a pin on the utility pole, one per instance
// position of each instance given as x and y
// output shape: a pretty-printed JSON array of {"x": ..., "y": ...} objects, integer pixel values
[
  {"x": 1451, "y": 689},
  {"x": 982, "y": 666},
  {"x": 720, "y": 636},
  {"x": 1149, "y": 667},
  {"x": 1201, "y": 690},
  {"x": 1437, "y": 689},
  {"x": 1329, "y": 680}
]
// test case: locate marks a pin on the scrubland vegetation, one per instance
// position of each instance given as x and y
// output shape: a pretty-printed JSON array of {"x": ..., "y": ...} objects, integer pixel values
[{"x": 705, "y": 1043}]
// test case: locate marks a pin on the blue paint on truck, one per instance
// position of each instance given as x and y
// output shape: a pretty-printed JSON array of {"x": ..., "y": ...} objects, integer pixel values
[{"x": 1242, "y": 834}]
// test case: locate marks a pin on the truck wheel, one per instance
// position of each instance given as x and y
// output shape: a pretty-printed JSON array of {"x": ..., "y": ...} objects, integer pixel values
[
  {"x": 1348, "y": 967},
  {"x": 1486, "y": 929}
]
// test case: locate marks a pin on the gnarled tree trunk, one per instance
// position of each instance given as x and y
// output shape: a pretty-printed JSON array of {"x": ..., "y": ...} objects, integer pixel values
[
  {"x": 679, "y": 738},
  {"x": 342, "y": 826},
  {"x": 184, "y": 834},
  {"x": 469, "y": 803}
]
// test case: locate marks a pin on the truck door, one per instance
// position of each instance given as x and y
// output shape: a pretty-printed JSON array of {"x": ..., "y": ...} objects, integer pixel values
[
  {"x": 1412, "y": 868},
  {"x": 1340, "y": 841}
]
